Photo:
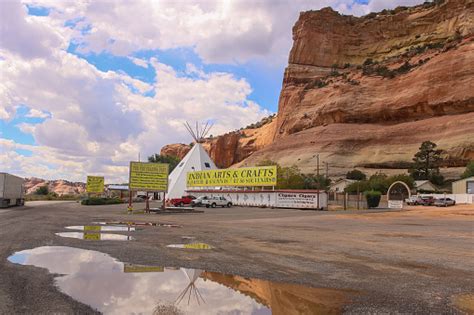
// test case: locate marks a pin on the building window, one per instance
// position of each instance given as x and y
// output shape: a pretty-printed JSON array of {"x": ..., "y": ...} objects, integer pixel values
[{"x": 207, "y": 165}]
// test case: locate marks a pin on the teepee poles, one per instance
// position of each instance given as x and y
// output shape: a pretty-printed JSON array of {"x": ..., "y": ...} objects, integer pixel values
[{"x": 198, "y": 133}]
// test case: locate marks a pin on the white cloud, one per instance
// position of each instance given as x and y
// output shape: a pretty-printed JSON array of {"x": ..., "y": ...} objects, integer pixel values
[
  {"x": 96, "y": 122},
  {"x": 219, "y": 31},
  {"x": 139, "y": 62},
  {"x": 25, "y": 35},
  {"x": 35, "y": 113}
]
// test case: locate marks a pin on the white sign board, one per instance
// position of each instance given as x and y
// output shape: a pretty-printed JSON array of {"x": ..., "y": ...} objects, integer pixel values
[
  {"x": 395, "y": 204},
  {"x": 299, "y": 200},
  {"x": 273, "y": 199}
]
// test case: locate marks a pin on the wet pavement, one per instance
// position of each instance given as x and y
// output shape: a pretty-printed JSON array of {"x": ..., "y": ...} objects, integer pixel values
[
  {"x": 112, "y": 287},
  {"x": 410, "y": 262}
]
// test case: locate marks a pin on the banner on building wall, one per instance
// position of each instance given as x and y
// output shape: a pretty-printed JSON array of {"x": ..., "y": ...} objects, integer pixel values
[{"x": 245, "y": 176}]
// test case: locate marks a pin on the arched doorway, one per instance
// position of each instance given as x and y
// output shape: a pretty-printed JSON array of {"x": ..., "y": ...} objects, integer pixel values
[{"x": 397, "y": 193}]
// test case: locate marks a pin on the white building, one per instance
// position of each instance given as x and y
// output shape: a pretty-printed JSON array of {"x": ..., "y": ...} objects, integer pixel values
[
  {"x": 425, "y": 185},
  {"x": 341, "y": 184},
  {"x": 464, "y": 186}
]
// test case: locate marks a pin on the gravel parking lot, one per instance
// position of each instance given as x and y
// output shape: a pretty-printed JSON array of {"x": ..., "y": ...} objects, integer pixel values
[{"x": 419, "y": 260}]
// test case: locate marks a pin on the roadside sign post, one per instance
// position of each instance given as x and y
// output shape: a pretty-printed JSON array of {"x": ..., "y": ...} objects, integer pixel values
[
  {"x": 150, "y": 177},
  {"x": 95, "y": 184}
]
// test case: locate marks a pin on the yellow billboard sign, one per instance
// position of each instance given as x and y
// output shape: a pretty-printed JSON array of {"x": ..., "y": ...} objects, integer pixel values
[
  {"x": 245, "y": 176},
  {"x": 138, "y": 268},
  {"x": 95, "y": 184},
  {"x": 148, "y": 176}
]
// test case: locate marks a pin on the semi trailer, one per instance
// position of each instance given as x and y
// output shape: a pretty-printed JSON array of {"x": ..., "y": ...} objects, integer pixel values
[{"x": 12, "y": 191}]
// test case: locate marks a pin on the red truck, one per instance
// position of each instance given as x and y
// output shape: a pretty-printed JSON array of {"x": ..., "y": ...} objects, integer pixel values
[{"x": 179, "y": 202}]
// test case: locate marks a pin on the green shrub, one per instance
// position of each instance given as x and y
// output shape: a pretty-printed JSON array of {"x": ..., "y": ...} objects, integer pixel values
[
  {"x": 373, "y": 198},
  {"x": 368, "y": 61},
  {"x": 356, "y": 174},
  {"x": 100, "y": 201},
  {"x": 43, "y": 190}
]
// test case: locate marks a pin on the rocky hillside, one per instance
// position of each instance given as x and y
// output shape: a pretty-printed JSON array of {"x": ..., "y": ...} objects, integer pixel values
[
  {"x": 233, "y": 147},
  {"x": 365, "y": 92},
  {"x": 60, "y": 187}
]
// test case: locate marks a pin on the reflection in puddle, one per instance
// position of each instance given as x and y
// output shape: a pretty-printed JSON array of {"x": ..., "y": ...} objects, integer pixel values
[
  {"x": 465, "y": 302},
  {"x": 122, "y": 223},
  {"x": 109, "y": 286},
  {"x": 191, "y": 246},
  {"x": 99, "y": 228},
  {"x": 92, "y": 236}
]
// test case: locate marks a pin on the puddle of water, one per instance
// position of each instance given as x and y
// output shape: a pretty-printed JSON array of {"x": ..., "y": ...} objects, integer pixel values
[
  {"x": 99, "y": 228},
  {"x": 112, "y": 287},
  {"x": 465, "y": 302},
  {"x": 121, "y": 223},
  {"x": 191, "y": 246},
  {"x": 92, "y": 236}
]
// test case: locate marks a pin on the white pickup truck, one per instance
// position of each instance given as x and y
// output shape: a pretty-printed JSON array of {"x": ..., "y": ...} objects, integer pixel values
[
  {"x": 216, "y": 201},
  {"x": 11, "y": 190}
]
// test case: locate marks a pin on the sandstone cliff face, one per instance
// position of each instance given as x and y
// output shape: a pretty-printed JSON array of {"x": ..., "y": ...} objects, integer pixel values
[
  {"x": 60, "y": 187},
  {"x": 285, "y": 298},
  {"x": 178, "y": 150},
  {"x": 365, "y": 92},
  {"x": 441, "y": 83}
]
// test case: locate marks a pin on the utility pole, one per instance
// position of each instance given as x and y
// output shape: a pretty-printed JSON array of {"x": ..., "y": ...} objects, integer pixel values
[{"x": 317, "y": 176}]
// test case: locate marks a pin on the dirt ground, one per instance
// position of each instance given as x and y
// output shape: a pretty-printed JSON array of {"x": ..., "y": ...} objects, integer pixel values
[{"x": 418, "y": 260}]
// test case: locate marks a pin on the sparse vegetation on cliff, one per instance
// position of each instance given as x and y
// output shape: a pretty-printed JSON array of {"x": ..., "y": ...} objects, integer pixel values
[{"x": 261, "y": 123}]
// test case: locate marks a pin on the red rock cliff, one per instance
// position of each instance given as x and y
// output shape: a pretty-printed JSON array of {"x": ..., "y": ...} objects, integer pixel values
[{"x": 367, "y": 91}]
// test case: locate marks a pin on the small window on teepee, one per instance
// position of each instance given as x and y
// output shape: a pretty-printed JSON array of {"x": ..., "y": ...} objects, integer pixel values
[
  {"x": 181, "y": 164},
  {"x": 207, "y": 165}
]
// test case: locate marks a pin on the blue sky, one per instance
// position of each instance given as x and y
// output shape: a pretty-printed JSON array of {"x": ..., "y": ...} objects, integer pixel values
[{"x": 89, "y": 86}]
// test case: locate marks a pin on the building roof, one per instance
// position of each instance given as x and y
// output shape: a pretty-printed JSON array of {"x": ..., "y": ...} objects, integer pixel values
[
  {"x": 419, "y": 183},
  {"x": 350, "y": 181},
  {"x": 117, "y": 187},
  {"x": 467, "y": 178}
]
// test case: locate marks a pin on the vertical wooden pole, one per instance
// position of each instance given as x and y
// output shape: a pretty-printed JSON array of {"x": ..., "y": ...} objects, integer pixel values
[
  {"x": 130, "y": 209},
  {"x": 317, "y": 176},
  {"x": 147, "y": 205},
  {"x": 358, "y": 196},
  {"x": 163, "y": 206}
]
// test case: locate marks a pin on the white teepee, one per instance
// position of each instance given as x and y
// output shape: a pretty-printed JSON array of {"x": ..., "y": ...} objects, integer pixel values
[{"x": 197, "y": 159}]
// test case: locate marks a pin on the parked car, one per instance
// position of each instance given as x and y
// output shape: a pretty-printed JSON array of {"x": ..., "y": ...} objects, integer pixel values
[
  {"x": 427, "y": 200},
  {"x": 444, "y": 202},
  {"x": 216, "y": 201},
  {"x": 414, "y": 200},
  {"x": 179, "y": 202},
  {"x": 139, "y": 198},
  {"x": 198, "y": 201}
]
